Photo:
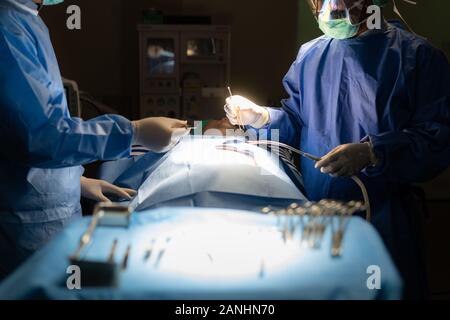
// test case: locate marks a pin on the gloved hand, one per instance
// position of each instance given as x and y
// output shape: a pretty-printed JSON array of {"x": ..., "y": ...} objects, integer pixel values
[
  {"x": 347, "y": 160},
  {"x": 159, "y": 134},
  {"x": 98, "y": 189},
  {"x": 241, "y": 111}
]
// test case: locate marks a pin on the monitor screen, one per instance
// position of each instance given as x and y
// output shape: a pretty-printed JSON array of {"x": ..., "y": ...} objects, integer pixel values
[
  {"x": 160, "y": 57},
  {"x": 203, "y": 47}
]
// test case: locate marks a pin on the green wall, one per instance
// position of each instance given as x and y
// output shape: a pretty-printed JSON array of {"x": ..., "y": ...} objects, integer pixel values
[
  {"x": 428, "y": 19},
  {"x": 308, "y": 28}
]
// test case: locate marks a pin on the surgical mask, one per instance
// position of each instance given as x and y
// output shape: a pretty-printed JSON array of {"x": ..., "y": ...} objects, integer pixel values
[
  {"x": 339, "y": 19},
  {"x": 51, "y": 2},
  {"x": 339, "y": 28},
  {"x": 342, "y": 19}
]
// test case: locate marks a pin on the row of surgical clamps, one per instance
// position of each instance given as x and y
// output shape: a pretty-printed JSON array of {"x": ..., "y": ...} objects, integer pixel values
[{"x": 312, "y": 220}]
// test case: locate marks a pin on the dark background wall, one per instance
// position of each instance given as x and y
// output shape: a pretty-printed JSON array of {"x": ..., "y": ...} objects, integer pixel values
[
  {"x": 103, "y": 56},
  {"x": 103, "y": 59}
]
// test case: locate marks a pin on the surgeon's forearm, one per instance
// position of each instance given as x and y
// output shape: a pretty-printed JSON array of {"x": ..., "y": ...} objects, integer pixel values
[
  {"x": 410, "y": 156},
  {"x": 283, "y": 126},
  {"x": 75, "y": 142}
]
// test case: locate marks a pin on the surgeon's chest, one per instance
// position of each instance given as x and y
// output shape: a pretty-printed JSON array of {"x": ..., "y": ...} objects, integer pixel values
[{"x": 353, "y": 90}]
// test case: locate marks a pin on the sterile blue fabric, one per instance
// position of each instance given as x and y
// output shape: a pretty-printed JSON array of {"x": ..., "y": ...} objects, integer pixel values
[
  {"x": 195, "y": 166},
  {"x": 291, "y": 271},
  {"x": 386, "y": 86},
  {"x": 43, "y": 146},
  {"x": 185, "y": 178}
]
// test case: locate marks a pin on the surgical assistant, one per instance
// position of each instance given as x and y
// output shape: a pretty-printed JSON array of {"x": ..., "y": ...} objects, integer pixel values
[
  {"x": 379, "y": 100},
  {"x": 43, "y": 146}
]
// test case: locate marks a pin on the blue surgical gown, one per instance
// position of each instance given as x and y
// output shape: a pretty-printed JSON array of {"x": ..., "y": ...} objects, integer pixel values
[
  {"x": 387, "y": 86},
  {"x": 43, "y": 147}
]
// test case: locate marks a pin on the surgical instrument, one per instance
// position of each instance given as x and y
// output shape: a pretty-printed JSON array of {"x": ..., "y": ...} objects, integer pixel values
[
  {"x": 148, "y": 252},
  {"x": 346, "y": 211},
  {"x": 231, "y": 93},
  {"x": 105, "y": 214},
  {"x": 319, "y": 215},
  {"x": 356, "y": 179},
  {"x": 279, "y": 144},
  {"x": 239, "y": 111},
  {"x": 86, "y": 238},
  {"x": 113, "y": 251},
  {"x": 246, "y": 153},
  {"x": 162, "y": 252},
  {"x": 126, "y": 258},
  {"x": 159, "y": 258}
]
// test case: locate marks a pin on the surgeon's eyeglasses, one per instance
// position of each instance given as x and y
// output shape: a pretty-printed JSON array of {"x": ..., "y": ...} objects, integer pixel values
[{"x": 338, "y": 9}]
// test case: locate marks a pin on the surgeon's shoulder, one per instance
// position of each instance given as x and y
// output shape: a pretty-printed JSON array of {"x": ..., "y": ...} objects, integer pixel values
[
  {"x": 9, "y": 23},
  {"x": 310, "y": 46},
  {"x": 414, "y": 44}
]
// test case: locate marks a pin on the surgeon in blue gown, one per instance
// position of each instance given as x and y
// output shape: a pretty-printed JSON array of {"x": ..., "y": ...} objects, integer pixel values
[
  {"x": 373, "y": 103},
  {"x": 43, "y": 148}
]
